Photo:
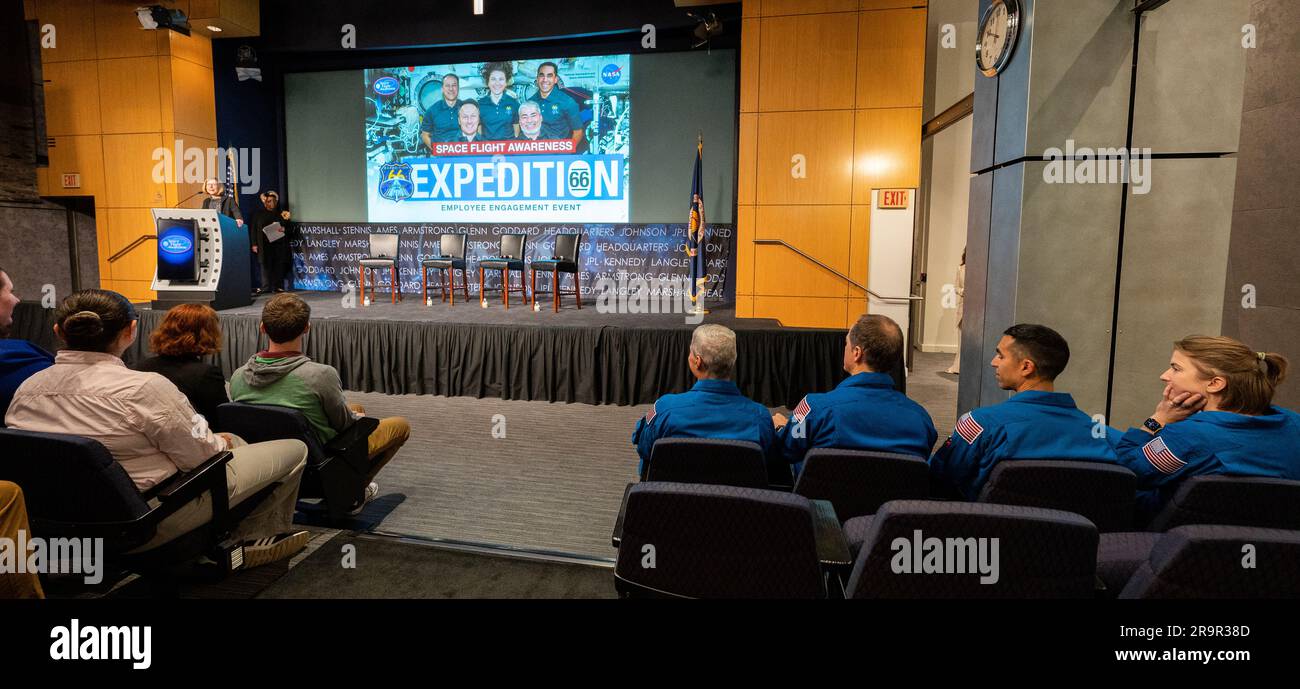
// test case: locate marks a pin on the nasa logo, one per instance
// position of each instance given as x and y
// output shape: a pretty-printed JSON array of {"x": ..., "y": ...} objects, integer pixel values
[
  {"x": 395, "y": 181},
  {"x": 176, "y": 244},
  {"x": 386, "y": 86},
  {"x": 611, "y": 73}
]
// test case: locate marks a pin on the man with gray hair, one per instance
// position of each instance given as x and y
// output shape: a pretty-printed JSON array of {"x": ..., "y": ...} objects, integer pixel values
[{"x": 713, "y": 407}]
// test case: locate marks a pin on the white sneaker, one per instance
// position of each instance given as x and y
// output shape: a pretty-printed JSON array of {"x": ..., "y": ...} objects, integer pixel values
[
  {"x": 278, "y": 547},
  {"x": 371, "y": 491}
]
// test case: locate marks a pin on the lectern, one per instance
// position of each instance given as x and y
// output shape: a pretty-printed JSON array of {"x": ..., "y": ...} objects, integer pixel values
[{"x": 202, "y": 259}]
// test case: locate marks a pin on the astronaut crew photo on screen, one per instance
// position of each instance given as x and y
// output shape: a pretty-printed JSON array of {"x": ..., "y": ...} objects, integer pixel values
[{"x": 552, "y": 136}]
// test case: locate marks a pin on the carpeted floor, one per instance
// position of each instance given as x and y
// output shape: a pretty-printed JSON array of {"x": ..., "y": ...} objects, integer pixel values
[{"x": 392, "y": 568}]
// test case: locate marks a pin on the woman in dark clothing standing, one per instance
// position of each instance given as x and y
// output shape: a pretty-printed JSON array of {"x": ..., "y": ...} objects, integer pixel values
[
  {"x": 276, "y": 257},
  {"x": 187, "y": 333}
]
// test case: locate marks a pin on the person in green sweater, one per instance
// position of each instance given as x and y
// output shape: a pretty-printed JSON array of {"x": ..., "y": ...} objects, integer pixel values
[{"x": 282, "y": 375}]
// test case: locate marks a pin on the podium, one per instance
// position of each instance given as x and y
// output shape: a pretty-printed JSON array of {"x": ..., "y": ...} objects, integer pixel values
[{"x": 220, "y": 259}]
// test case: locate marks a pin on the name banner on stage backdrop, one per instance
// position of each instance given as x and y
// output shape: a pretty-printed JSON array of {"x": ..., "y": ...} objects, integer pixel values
[{"x": 327, "y": 255}]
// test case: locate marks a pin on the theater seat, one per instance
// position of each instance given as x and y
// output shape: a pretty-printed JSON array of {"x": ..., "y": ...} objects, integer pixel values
[
  {"x": 1104, "y": 493},
  {"x": 1040, "y": 553},
  {"x": 337, "y": 472},
  {"x": 857, "y": 482},
  {"x": 1213, "y": 561},
  {"x": 855, "y": 532},
  {"x": 707, "y": 460},
  {"x": 1215, "y": 500},
  {"x": 708, "y": 541},
  {"x": 75, "y": 489}
]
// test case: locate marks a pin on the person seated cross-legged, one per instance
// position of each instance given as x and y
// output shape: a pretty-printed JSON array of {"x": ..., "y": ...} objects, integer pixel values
[{"x": 282, "y": 375}]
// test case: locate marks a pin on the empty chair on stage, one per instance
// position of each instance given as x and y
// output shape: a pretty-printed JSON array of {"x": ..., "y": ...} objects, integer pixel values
[
  {"x": 383, "y": 255},
  {"x": 564, "y": 260},
  {"x": 510, "y": 258},
  {"x": 450, "y": 258}
]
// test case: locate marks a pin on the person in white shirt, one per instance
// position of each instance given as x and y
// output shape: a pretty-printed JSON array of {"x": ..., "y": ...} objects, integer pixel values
[{"x": 151, "y": 429}]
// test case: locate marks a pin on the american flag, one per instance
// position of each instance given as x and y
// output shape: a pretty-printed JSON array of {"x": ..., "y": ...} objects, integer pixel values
[
  {"x": 231, "y": 175},
  {"x": 695, "y": 242},
  {"x": 1161, "y": 458},
  {"x": 650, "y": 415},
  {"x": 968, "y": 428},
  {"x": 801, "y": 412}
]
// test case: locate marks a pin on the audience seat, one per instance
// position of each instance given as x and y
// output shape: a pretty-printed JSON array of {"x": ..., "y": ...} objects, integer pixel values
[
  {"x": 1041, "y": 553},
  {"x": 705, "y": 460},
  {"x": 1269, "y": 503},
  {"x": 75, "y": 489},
  {"x": 710, "y": 541},
  {"x": 1104, "y": 493},
  {"x": 857, "y": 483},
  {"x": 1210, "y": 561},
  {"x": 337, "y": 472}
]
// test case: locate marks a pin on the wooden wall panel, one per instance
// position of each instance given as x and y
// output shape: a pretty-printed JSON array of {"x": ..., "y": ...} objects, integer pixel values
[
  {"x": 74, "y": 30},
  {"x": 782, "y": 7},
  {"x": 802, "y": 312},
  {"x": 891, "y": 59},
  {"x": 118, "y": 32},
  {"x": 180, "y": 192},
  {"x": 819, "y": 231},
  {"x": 749, "y": 64},
  {"x": 890, "y": 4},
  {"x": 193, "y": 100},
  {"x": 887, "y": 151},
  {"x": 859, "y": 248},
  {"x": 745, "y": 249},
  {"x": 130, "y": 160},
  {"x": 196, "y": 48},
  {"x": 129, "y": 95},
  {"x": 825, "y": 139},
  {"x": 747, "y": 175},
  {"x": 81, "y": 154},
  {"x": 71, "y": 98},
  {"x": 806, "y": 62},
  {"x": 125, "y": 225}
]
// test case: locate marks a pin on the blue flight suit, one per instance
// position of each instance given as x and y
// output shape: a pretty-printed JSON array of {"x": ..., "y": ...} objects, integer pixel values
[
  {"x": 442, "y": 121},
  {"x": 1031, "y": 425},
  {"x": 560, "y": 116},
  {"x": 1209, "y": 442},
  {"x": 863, "y": 412},
  {"x": 19, "y": 360},
  {"x": 498, "y": 118},
  {"x": 712, "y": 408}
]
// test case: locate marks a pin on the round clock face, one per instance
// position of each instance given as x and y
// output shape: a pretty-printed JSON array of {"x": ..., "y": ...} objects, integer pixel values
[{"x": 997, "y": 36}]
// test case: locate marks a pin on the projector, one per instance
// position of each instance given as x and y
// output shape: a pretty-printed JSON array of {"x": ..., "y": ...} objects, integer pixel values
[{"x": 159, "y": 17}]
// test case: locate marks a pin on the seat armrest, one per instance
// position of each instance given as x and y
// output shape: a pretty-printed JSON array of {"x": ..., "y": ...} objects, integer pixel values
[
  {"x": 208, "y": 477},
  {"x": 617, "y": 537},
  {"x": 358, "y": 432},
  {"x": 832, "y": 546}
]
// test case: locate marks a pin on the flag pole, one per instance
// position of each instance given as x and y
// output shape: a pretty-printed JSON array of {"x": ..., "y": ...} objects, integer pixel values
[{"x": 701, "y": 242}]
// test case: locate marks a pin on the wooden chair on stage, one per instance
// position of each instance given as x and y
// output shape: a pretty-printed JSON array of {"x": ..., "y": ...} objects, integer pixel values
[
  {"x": 511, "y": 258},
  {"x": 565, "y": 260},
  {"x": 383, "y": 254},
  {"x": 450, "y": 258}
]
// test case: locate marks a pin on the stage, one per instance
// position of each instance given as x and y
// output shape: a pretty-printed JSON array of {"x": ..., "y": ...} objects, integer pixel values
[{"x": 518, "y": 354}]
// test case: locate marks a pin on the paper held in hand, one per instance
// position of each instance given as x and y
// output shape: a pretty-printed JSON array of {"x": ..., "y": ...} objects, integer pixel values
[{"x": 274, "y": 232}]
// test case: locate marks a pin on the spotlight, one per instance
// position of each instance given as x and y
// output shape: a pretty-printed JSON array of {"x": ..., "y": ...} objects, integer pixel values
[
  {"x": 159, "y": 17},
  {"x": 708, "y": 27}
]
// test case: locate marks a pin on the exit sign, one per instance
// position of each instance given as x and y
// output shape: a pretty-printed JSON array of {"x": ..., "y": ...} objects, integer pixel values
[
  {"x": 71, "y": 180},
  {"x": 894, "y": 198}
]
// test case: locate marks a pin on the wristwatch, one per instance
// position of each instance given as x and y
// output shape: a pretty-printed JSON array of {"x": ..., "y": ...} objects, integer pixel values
[{"x": 1152, "y": 425}]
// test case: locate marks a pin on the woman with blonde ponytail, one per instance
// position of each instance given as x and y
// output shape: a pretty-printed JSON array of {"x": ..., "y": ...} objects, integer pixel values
[{"x": 1216, "y": 416}]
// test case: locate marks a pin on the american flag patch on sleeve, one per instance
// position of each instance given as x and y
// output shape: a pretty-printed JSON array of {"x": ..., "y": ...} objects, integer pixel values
[
  {"x": 968, "y": 428},
  {"x": 650, "y": 415},
  {"x": 1157, "y": 452},
  {"x": 801, "y": 412}
]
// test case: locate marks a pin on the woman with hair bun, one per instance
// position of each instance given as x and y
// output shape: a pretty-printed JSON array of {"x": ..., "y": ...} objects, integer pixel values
[
  {"x": 1216, "y": 416},
  {"x": 151, "y": 429}
]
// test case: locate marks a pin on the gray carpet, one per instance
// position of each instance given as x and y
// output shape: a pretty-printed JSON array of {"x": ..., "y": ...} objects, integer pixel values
[
  {"x": 552, "y": 483},
  {"x": 390, "y": 568}
]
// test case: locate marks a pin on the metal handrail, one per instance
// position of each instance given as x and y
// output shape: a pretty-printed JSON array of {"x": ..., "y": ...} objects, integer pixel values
[
  {"x": 837, "y": 273},
  {"x": 138, "y": 241}
]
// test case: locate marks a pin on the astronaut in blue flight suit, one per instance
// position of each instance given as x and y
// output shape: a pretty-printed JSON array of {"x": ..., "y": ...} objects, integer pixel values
[
  {"x": 863, "y": 412},
  {"x": 1035, "y": 423},
  {"x": 1215, "y": 416},
  {"x": 713, "y": 407},
  {"x": 561, "y": 118},
  {"x": 442, "y": 119}
]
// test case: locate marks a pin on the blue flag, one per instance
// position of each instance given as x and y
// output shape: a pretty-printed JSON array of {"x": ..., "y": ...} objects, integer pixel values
[{"x": 695, "y": 239}]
